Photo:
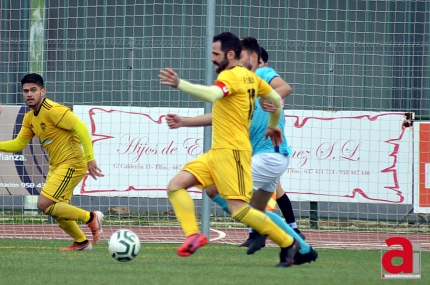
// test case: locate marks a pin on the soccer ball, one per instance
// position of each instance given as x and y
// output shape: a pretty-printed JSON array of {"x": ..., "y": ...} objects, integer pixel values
[{"x": 124, "y": 245}]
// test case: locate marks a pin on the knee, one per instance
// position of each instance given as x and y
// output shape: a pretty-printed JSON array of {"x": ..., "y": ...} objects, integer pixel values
[
  {"x": 279, "y": 191},
  {"x": 44, "y": 204},
  {"x": 183, "y": 180},
  {"x": 172, "y": 185},
  {"x": 42, "y": 207},
  {"x": 176, "y": 183}
]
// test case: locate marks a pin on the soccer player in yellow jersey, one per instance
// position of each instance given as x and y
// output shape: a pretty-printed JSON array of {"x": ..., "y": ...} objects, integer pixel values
[
  {"x": 228, "y": 163},
  {"x": 62, "y": 135},
  {"x": 268, "y": 163}
]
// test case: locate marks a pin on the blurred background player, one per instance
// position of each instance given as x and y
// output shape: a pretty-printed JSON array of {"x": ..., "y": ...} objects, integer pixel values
[
  {"x": 228, "y": 163},
  {"x": 62, "y": 135}
]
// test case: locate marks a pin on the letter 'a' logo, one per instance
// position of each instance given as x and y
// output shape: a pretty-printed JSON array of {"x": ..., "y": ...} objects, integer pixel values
[{"x": 402, "y": 260}]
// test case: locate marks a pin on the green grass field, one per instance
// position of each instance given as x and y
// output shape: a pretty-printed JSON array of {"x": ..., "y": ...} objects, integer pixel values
[{"x": 40, "y": 262}]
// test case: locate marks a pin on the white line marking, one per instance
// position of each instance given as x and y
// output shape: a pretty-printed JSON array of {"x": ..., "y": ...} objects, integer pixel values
[{"x": 221, "y": 235}]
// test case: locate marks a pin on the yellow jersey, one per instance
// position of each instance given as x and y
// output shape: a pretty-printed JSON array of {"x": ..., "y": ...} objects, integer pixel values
[
  {"x": 232, "y": 115},
  {"x": 53, "y": 124}
]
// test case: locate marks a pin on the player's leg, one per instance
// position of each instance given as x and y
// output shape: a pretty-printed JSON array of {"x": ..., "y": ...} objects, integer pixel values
[
  {"x": 72, "y": 229},
  {"x": 183, "y": 204},
  {"x": 54, "y": 201},
  {"x": 257, "y": 241},
  {"x": 259, "y": 201},
  {"x": 256, "y": 162},
  {"x": 69, "y": 226},
  {"x": 286, "y": 208},
  {"x": 264, "y": 225},
  {"x": 267, "y": 168},
  {"x": 306, "y": 252},
  {"x": 213, "y": 194},
  {"x": 233, "y": 177},
  {"x": 194, "y": 173}
]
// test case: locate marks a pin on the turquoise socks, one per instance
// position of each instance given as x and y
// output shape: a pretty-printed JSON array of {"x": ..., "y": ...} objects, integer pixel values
[
  {"x": 222, "y": 203},
  {"x": 304, "y": 247}
]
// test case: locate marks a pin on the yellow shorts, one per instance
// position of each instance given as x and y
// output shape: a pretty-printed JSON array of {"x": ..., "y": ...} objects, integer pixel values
[
  {"x": 62, "y": 180},
  {"x": 230, "y": 170}
]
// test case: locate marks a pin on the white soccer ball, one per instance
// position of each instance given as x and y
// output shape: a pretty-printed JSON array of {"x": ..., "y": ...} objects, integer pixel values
[{"x": 124, "y": 245}]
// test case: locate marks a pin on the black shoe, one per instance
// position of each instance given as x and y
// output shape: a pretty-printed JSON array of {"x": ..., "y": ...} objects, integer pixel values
[
  {"x": 312, "y": 255},
  {"x": 257, "y": 243},
  {"x": 248, "y": 242},
  {"x": 287, "y": 254},
  {"x": 299, "y": 233}
]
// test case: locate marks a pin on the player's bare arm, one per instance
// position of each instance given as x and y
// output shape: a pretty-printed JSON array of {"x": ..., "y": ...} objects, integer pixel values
[
  {"x": 282, "y": 88},
  {"x": 169, "y": 77},
  {"x": 275, "y": 135},
  {"x": 267, "y": 105},
  {"x": 174, "y": 121},
  {"x": 94, "y": 170},
  {"x": 205, "y": 93},
  {"x": 273, "y": 131}
]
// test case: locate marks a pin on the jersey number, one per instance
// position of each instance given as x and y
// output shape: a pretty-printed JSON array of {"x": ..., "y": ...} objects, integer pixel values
[{"x": 251, "y": 94}]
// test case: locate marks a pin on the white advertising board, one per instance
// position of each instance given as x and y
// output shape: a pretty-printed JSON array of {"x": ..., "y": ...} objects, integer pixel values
[
  {"x": 136, "y": 151},
  {"x": 349, "y": 157},
  {"x": 338, "y": 156}
]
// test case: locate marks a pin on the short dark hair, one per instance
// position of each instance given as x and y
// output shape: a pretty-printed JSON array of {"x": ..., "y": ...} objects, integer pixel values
[
  {"x": 251, "y": 44},
  {"x": 229, "y": 41},
  {"x": 32, "y": 78},
  {"x": 264, "y": 55}
]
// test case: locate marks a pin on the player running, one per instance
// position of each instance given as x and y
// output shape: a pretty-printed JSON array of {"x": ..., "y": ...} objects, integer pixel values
[
  {"x": 62, "y": 135},
  {"x": 255, "y": 241},
  {"x": 268, "y": 162},
  {"x": 228, "y": 163}
]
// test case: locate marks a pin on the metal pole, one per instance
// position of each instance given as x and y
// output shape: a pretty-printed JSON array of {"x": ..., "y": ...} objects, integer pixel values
[
  {"x": 330, "y": 99},
  {"x": 37, "y": 37},
  {"x": 130, "y": 69},
  {"x": 207, "y": 133}
]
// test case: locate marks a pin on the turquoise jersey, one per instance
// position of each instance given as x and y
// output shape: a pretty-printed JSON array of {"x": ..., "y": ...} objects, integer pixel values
[
  {"x": 266, "y": 73},
  {"x": 259, "y": 123}
]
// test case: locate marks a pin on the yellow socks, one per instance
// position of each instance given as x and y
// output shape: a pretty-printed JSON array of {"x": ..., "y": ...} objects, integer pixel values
[
  {"x": 72, "y": 229},
  {"x": 64, "y": 211},
  {"x": 183, "y": 206},
  {"x": 262, "y": 224}
]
